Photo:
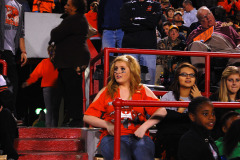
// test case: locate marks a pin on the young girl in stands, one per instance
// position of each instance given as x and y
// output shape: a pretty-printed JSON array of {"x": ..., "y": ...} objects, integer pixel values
[
  {"x": 229, "y": 144},
  {"x": 125, "y": 84},
  {"x": 228, "y": 92},
  {"x": 197, "y": 143},
  {"x": 176, "y": 123},
  {"x": 49, "y": 74}
]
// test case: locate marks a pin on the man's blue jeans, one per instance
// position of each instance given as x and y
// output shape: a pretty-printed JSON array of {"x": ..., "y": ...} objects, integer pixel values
[
  {"x": 112, "y": 38},
  {"x": 131, "y": 148}
]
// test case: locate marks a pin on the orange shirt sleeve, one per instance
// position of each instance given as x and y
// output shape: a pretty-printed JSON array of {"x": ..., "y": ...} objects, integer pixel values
[{"x": 36, "y": 74}]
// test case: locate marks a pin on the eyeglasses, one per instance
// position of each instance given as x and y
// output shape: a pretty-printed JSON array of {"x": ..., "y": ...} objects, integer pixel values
[
  {"x": 205, "y": 16},
  {"x": 191, "y": 75}
]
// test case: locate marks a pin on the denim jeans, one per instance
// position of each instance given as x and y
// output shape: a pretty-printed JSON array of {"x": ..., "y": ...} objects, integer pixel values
[
  {"x": 131, "y": 148},
  {"x": 150, "y": 62},
  {"x": 112, "y": 38}
]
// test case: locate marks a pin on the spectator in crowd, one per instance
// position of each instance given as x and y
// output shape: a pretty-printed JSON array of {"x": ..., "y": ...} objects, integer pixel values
[
  {"x": 213, "y": 36},
  {"x": 166, "y": 26},
  {"x": 176, "y": 123},
  {"x": 226, "y": 123},
  {"x": 139, "y": 20},
  {"x": 165, "y": 4},
  {"x": 197, "y": 143},
  {"x": 228, "y": 92},
  {"x": 170, "y": 14},
  {"x": 92, "y": 20},
  {"x": 125, "y": 84},
  {"x": 181, "y": 10},
  {"x": 12, "y": 37},
  {"x": 72, "y": 57},
  {"x": 109, "y": 23},
  {"x": 219, "y": 13},
  {"x": 178, "y": 21},
  {"x": 8, "y": 125},
  {"x": 43, "y": 6},
  {"x": 229, "y": 145},
  {"x": 49, "y": 74},
  {"x": 190, "y": 13}
]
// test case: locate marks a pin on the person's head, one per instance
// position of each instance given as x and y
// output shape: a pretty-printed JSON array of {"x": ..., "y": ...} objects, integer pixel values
[
  {"x": 125, "y": 70},
  {"x": 173, "y": 32},
  {"x": 205, "y": 17},
  {"x": 165, "y": 4},
  {"x": 181, "y": 10},
  {"x": 187, "y": 5},
  {"x": 75, "y": 6},
  {"x": 170, "y": 12},
  {"x": 227, "y": 119},
  {"x": 231, "y": 138},
  {"x": 184, "y": 77},
  {"x": 94, "y": 6},
  {"x": 178, "y": 17},
  {"x": 201, "y": 112},
  {"x": 230, "y": 83},
  {"x": 166, "y": 26}
]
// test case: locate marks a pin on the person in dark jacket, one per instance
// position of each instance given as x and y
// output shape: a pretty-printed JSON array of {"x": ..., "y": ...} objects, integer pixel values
[
  {"x": 197, "y": 144},
  {"x": 72, "y": 56},
  {"x": 139, "y": 19}
]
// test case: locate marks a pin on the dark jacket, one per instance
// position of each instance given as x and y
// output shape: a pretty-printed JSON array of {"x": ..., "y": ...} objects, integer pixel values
[
  {"x": 139, "y": 21},
  {"x": 109, "y": 14},
  {"x": 70, "y": 39},
  {"x": 194, "y": 145}
]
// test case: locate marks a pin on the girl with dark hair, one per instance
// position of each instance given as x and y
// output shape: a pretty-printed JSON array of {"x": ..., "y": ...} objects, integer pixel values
[
  {"x": 197, "y": 143},
  {"x": 231, "y": 144},
  {"x": 176, "y": 123},
  {"x": 228, "y": 145}
]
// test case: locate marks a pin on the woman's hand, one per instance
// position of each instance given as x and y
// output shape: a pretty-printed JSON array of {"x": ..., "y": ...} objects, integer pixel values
[
  {"x": 25, "y": 84},
  {"x": 140, "y": 132},
  {"x": 195, "y": 91},
  {"x": 1, "y": 108},
  {"x": 110, "y": 128}
]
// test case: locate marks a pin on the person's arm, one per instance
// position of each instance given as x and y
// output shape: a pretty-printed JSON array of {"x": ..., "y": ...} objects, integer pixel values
[
  {"x": 159, "y": 114},
  {"x": 97, "y": 122},
  {"x": 23, "y": 52}
]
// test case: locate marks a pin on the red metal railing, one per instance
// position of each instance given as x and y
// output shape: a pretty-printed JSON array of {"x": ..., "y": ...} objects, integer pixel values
[
  {"x": 4, "y": 64},
  {"x": 118, "y": 103}
]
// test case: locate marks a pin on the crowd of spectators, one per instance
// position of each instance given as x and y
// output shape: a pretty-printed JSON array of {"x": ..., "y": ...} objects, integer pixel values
[{"x": 183, "y": 25}]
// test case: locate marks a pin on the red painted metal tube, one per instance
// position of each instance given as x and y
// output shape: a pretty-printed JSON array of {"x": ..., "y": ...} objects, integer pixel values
[
  {"x": 106, "y": 66},
  {"x": 207, "y": 76},
  {"x": 4, "y": 64}
]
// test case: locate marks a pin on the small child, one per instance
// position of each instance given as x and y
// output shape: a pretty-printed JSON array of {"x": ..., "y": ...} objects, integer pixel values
[
  {"x": 230, "y": 137},
  {"x": 197, "y": 144},
  {"x": 49, "y": 74}
]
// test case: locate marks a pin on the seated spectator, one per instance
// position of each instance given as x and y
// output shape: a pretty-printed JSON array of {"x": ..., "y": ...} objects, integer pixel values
[
  {"x": 171, "y": 42},
  {"x": 166, "y": 26},
  {"x": 215, "y": 37},
  {"x": 125, "y": 84},
  {"x": 190, "y": 13},
  {"x": 43, "y": 6},
  {"x": 197, "y": 144},
  {"x": 178, "y": 21},
  {"x": 176, "y": 123},
  {"x": 229, "y": 145},
  {"x": 170, "y": 14},
  {"x": 228, "y": 92},
  {"x": 8, "y": 125}
]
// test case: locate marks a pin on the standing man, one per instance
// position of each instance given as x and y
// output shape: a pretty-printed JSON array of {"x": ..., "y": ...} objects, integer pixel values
[
  {"x": 190, "y": 13},
  {"x": 12, "y": 37},
  {"x": 109, "y": 23},
  {"x": 139, "y": 19}
]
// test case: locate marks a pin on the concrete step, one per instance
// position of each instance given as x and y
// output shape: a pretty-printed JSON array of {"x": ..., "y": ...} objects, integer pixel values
[{"x": 53, "y": 156}]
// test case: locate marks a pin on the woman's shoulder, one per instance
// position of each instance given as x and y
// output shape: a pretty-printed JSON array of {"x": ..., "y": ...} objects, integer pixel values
[
  {"x": 100, "y": 93},
  {"x": 147, "y": 91}
]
